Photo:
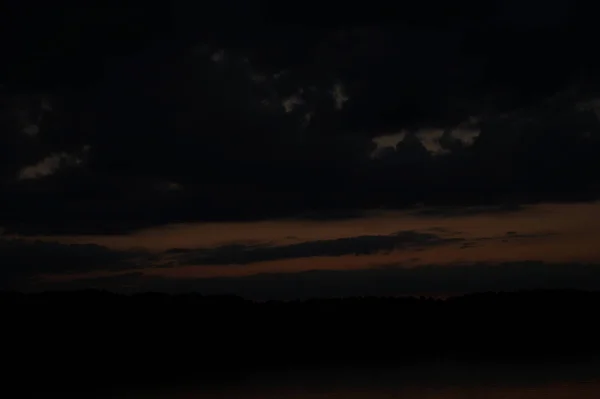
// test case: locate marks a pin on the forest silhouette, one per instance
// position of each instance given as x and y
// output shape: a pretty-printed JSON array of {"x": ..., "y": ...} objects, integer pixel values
[{"x": 102, "y": 338}]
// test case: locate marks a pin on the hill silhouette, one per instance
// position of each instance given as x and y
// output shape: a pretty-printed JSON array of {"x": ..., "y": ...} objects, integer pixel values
[{"x": 97, "y": 338}]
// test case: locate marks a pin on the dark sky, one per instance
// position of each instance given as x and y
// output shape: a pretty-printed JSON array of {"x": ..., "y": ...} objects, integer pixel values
[{"x": 142, "y": 147}]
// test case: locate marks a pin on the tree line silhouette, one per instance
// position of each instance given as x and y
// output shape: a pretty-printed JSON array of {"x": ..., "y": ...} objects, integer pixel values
[{"x": 101, "y": 338}]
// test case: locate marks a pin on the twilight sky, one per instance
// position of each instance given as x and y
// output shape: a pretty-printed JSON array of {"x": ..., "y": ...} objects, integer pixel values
[{"x": 451, "y": 151}]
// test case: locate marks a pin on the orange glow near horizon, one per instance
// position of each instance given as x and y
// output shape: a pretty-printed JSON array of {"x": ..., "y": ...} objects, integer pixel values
[{"x": 574, "y": 237}]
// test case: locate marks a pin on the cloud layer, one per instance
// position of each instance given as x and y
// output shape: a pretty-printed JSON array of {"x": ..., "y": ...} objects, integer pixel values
[{"x": 280, "y": 122}]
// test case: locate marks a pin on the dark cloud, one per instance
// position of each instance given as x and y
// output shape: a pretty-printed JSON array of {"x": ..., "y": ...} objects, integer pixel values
[
  {"x": 183, "y": 121},
  {"x": 361, "y": 245},
  {"x": 23, "y": 260},
  {"x": 447, "y": 279},
  {"x": 467, "y": 210},
  {"x": 333, "y": 215},
  {"x": 510, "y": 236}
]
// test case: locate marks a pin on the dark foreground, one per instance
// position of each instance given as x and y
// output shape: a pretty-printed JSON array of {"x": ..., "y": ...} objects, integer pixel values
[{"x": 98, "y": 341}]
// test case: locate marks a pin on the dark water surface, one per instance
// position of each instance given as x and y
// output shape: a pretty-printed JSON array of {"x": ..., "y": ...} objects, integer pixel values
[{"x": 431, "y": 381}]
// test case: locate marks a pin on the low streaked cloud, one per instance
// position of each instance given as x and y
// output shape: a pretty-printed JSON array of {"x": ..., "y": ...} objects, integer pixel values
[
  {"x": 361, "y": 245},
  {"x": 378, "y": 281}
]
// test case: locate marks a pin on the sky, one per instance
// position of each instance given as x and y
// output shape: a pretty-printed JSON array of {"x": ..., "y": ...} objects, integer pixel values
[{"x": 452, "y": 151}]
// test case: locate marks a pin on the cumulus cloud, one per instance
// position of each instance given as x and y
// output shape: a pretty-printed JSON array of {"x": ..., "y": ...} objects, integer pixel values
[
  {"x": 45, "y": 167},
  {"x": 52, "y": 163}
]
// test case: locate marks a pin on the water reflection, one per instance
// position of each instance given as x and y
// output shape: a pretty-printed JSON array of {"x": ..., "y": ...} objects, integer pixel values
[{"x": 422, "y": 382}]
